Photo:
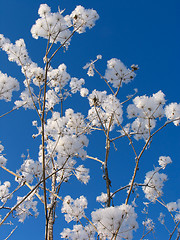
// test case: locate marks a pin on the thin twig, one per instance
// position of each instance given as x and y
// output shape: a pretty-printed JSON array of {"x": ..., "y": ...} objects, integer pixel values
[
  {"x": 96, "y": 159},
  {"x": 130, "y": 140},
  {"x": 174, "y": 230},
  {"x": 12, "y": 110},
  {"x": 10, "y": 233},
  {"x": 104, "y": 80},
  {"x": 135, "y": 170},
  {"x": 144, "y": 235}
]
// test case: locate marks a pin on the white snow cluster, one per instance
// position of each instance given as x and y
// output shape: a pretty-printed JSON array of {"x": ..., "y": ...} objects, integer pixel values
[
  {"x": 161, "y": 218},
  {"x": 155, "y": 182},
  {"x": 4, "y": 191},
  {"x": 16, "y": 52},
  {"x": 79, "y": 232},
  {"x": 68, "y": 133},
  {"x": 74, "y": 209},
  {"x": 175, "y": 207},
  {"x": 24, "y": 209},
  {"x": 82, "y": 174},
  {"x": 76, "y": 84},
  {"x": 3, "y": 160},
  {"x": 7, "y": 86},
  {"x": 146, "y": 110},
  {"x": 58, "y": 78},
  {"x": 84, "y": 92},
  {"x": 90, "y": 66},
  {"x": 66, "y": 139},
  {"x": 163, "y": 161},
  {"x": 29, "y": 169},
  {"x": 51, "y": 99},
  {"x": 26, "y": 99},
  {"x": 82, "y": 18},
  {"x": 102, "y": 198},
  {"x": 51, "y": 26},
  {"x": 105, "y": 109},
  {"x": 172, "y": 112},
  {"x": 120, "y": 220},
  {"x": 3, "y": 40},
  {"x": 149, "y": 224},
  {"x": 117, "y": 73},
  {"x": 34, "y": 74}
]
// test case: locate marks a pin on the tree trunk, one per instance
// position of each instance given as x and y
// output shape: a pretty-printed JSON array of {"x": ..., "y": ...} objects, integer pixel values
[
  {"x": 51, "y": 212},
  {"x": 50, "y": 224}
]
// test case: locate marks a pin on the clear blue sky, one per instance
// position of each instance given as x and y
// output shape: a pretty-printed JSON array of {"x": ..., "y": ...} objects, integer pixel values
[{"x": 141, "y": 32}]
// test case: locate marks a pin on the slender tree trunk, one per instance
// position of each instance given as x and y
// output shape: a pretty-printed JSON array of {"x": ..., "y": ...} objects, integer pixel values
[
  {"x": 108, "y": 182},
  {"x": 51, "y": 212},
  {"x": 50, "y": 225}
]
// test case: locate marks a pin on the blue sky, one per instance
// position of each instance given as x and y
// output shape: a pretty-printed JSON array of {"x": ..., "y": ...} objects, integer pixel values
[{"x": 141, "y": 32}]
